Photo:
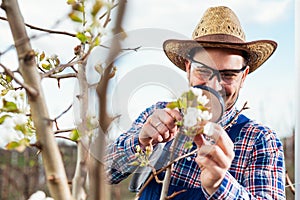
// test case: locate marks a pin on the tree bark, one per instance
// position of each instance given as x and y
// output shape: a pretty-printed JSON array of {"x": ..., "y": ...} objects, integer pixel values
[{"x": 55, "y": 172}]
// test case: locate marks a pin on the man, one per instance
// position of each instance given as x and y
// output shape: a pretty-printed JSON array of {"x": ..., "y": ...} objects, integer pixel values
[{"x": 247, "y": 160}]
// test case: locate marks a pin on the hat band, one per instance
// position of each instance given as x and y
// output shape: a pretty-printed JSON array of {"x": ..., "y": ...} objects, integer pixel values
[{"x": 219, "y": 38}]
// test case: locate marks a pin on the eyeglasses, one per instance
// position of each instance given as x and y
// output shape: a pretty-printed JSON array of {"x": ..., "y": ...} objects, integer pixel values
[{"x": 206, "y": 73}]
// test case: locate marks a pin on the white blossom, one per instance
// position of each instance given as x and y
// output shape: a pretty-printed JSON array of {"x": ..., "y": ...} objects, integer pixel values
[
  {"x": 94, "y": 122},
  {"x": 11, "y": 96},
  {"x": 20, "y": 119},
  {"x": 196, "y": 91},
  {"x": 208, "y": 129},
  {"x": 202, "y": 99},
  {"x": 8, "y": 133},
  {"x": 190, "y": 118},
  {"x": 39, "y": 195},
  {"x": 205, "y": 115},
  {"x": 17, "y": 97},
  {"x": 1, "y": 103}
]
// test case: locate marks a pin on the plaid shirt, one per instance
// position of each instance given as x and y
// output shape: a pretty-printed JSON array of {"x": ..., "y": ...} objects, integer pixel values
[{"x": 257, "y": 171}]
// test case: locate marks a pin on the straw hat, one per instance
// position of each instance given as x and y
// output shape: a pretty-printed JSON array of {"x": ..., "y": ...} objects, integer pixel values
[{"x": 220, "y": 27}]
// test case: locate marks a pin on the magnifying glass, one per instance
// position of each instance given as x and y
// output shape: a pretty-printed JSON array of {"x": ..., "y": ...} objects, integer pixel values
[{"x": 215, "y": 104}]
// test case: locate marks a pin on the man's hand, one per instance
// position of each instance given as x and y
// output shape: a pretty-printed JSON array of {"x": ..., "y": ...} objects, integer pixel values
[
  {"x": 214, "y": 160},
  {"x": 159, "y": 127}
]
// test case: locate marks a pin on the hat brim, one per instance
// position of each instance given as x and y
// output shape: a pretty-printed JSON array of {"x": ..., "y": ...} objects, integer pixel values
[{"x": 258, "y": 51}]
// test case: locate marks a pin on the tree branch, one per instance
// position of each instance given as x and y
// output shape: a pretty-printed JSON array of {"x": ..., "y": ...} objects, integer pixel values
[
  {"x": 28, "y": 89},
  {"x": 98, "y": 183},
  {"x": 44, "y": 30}
]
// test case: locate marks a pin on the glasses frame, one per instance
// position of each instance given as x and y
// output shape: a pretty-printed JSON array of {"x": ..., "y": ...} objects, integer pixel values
[{"x": 216, "y": 72}]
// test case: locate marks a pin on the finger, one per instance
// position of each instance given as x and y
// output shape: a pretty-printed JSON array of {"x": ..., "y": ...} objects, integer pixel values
[
  {"x": 150, "y": 133},
  {"x": 160, "y": 127},
  {"x": 212, "y": 169},
  {"x": 198, "y": 139},
  {"x": 220, "y": 137},
  {"x": 174, "y": 113},
  {"x": 162, "y": 116},
  {"x": 216, "y": 154}
]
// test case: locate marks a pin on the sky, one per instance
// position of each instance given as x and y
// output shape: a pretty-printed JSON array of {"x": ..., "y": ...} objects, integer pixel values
[{"x": 270, "y": 91}]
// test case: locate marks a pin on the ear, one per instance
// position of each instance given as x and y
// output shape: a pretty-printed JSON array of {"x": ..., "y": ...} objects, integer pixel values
[
  {"x": 187, "y": 68},
  {"x": 245, "y": 73}
]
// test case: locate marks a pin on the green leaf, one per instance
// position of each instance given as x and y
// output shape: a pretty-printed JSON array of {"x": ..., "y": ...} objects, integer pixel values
[
  {"x": 4, "y": 92},
  {"x": 56, "y": 61},
  {"x": 71, "y": 2},
  {"x": 74, "y": 17},
  {"x": 82, "y": 37},
  {"x": 134, "y": 163},
  {"x": 74, "y": 135},
  {"x": 172, "y": 105},
  {"x": 188, "y": 145},
  {"x": 96, "y": 7},
  {"x": 2, "y": 118},
  {"x": 9, "y": 106},
  {"x": 46, "y": 66},
  {"x": 12, "y": 145},
  {"x": 18, "y": 146},
  {"x": 179, "y": 123},
  {"x": 42, "y": 56},
  {"x": 96, "y": 41},
  {"x": 201, "y": 107},
  {"x": 8, "y": 78},
  {"x": 32, "y": 163},
  {"x": 77, "y": 6},
  {"x": 190, "y": 95},
  {"x": 20, "y": 127}
]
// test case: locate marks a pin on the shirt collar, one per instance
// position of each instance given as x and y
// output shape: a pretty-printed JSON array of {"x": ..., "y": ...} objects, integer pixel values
[{"x": 228, "y": 116}]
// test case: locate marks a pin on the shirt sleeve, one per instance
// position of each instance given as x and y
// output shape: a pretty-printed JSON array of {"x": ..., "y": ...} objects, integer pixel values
[
  {"x": 264, "y": 177},
  {"x": 121, "y": 152}
]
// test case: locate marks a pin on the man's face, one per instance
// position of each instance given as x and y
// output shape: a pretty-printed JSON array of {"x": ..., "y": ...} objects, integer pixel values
[{"x": 202, "y": 70}]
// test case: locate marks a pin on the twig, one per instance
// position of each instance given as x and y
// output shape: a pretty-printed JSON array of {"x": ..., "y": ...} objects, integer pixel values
[
  {"x": 45, "y": 30},
  {"x": 104, "y": 14},
  {"x": 63, "y": 76},
  {"x": 167, "y": 178},
  {"x": 163, "y": 169},
  {"x": 64, "y": 130},
  {"x": 98, "y": 184},
  {"x": 29, "y": 89},
  {"x": 64, "y": 137},
  {"x": 154, "y": 173},
  {"x": 236, "y": 116},
  {"x": 175, "y": 194},
  {"x": 64, "y": 112},
  {"x": 59, "y": 68},
  {"x": 289, "y": 183}
]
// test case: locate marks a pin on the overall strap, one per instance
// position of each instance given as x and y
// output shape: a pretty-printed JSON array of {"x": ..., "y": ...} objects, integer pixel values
[{"x": 237, "y": 127}]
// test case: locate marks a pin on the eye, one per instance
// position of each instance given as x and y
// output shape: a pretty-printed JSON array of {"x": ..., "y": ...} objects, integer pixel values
[
  {"x": 204, "y": 71},
  {"x": 228, "y": 76}
]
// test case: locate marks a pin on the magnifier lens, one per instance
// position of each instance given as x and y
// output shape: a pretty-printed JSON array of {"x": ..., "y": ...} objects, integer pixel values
[{"x": 216, "y": 103}]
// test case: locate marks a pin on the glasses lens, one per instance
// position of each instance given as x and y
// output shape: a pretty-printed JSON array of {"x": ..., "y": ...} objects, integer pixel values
[
  {"x": 202, "y": 72},
  {"x": 206, "y": 73},
  {"x": 229, "y": 77}
]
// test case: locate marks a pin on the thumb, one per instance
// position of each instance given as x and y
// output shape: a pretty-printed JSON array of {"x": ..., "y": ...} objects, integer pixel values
[{"x": 198, "y": 139}]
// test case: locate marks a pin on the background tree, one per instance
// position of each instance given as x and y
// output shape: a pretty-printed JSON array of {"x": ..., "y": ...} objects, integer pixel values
[{"x": 33, "y": 67}]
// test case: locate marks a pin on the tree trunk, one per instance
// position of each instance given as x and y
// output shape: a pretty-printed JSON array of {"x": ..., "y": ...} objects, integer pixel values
[{"x": 55, "y": 172}]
